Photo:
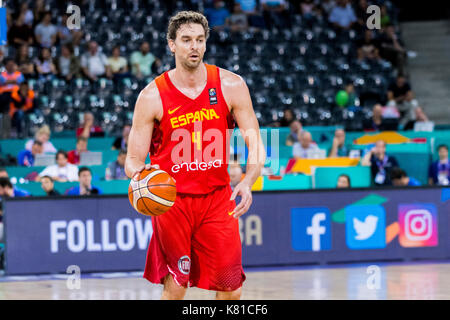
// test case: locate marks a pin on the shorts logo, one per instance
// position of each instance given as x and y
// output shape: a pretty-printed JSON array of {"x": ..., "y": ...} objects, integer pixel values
[
  {"x": 212, "y": 96},
  {"x": 184, "y": 264}
]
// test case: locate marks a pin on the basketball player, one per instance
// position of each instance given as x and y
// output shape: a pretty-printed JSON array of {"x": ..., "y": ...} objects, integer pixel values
[{"x": 196, "y": 242}]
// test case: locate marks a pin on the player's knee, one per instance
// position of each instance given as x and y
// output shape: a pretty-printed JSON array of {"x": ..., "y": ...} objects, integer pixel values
[
  {"x": 229, "y": 295},
  {"x": 172, "y": 291}
]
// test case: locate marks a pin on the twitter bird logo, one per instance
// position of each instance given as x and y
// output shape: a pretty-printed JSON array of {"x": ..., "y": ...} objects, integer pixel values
[{"x": 365, "y": 226}]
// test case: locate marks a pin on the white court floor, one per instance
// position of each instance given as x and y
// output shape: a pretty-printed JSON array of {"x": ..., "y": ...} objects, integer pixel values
[{"x": 415, "y": 280}]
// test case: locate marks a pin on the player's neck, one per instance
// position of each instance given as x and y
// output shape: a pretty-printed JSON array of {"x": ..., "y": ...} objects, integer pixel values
[{"x": 190, "y": 77}]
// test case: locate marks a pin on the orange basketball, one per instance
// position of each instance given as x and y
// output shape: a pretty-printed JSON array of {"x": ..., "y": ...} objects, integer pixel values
[{"x": 153, "y": 193}]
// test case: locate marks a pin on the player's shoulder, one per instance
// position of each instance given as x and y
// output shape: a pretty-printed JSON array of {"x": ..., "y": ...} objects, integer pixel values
[
  {"x": 149, "y": 101},
  {"x": 230, "y": 79},
  {"x": 150, "y": 91}
]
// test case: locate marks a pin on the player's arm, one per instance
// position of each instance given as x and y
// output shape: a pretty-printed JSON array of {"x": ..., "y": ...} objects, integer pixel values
[
  {"x": 148, "y": 109},
  {"x": 238, "y": 98}
]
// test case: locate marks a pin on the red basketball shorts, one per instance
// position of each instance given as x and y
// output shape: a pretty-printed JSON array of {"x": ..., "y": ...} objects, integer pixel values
[{"x": 198, "y": 242}]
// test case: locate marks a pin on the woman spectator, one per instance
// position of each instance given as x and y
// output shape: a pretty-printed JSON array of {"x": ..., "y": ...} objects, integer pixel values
[
  {"x": 44, "y": 64},
  {"x": 24, "y": 63},
  {"x": 42, "y": 135},
  {"x": 20, "y": 33},
  {"x": 118, "y": 65},
  {"x": 68, "y": 65}
]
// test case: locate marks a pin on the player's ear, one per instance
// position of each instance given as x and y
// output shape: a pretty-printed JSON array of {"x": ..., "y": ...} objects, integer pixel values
[{"x": 171, "y": 44}]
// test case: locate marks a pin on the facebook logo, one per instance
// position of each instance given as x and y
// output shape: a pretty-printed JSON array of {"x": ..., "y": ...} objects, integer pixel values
[{"x": 311, "y": 229}]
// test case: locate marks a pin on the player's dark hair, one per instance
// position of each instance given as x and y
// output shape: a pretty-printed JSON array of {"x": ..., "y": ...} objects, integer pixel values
[
  {"x": 186, "y": 17},
  {"x": 82, "y": 169},
  {"x": 398, "y": 173}
]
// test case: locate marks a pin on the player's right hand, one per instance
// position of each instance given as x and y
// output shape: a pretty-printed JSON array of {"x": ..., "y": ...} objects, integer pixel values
[{"x": 147, "y": 166}]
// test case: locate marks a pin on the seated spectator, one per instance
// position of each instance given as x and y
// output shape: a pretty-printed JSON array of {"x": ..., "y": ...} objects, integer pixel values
[
  {"x": 26, "y": 157},
  {"x": 304, "y": 145},
  {"x": 400, "y": 95},
  {"x": 74, "y": 156},
  {"x": 236, "y": 174},
  {"x": 45, "y": 68},
  {"x": 295, "y": 127},
  {"x": 439, "y": 171},
  {"x": 116, "y": 169},
  {"x": 67, "y": 36},
  {"x": 85, "y": 188},
  {"x": 48, "y": 186},
  {"x": 28, "y": 14},
  {"x": 217, "y": 16},
  {"x": 288, "y": 117},
  {"x": 121, "y": 143},
  {"x": 275, "y": 13},
  {"x": 62, "y": 171},
  {"x": 88, "y": 127},
  {"x": 399, "y": 178},
  {"x": 142, "y": 61},
  {"x": 67, "y": 64},
  {"x": 20, "y": 33},
  {"x": 237, "y": 21},
  {"x": 393, "y": 49},
  {"x": 254, "y": 17},
  {"x": 361, "y": 14},
  {"x": 24, "y": 63},
  {"x": 352, "y": 97},
  {"x": 118, "y": 64},
  {"x": 378, "y": 123},
  {"x": 380, "y": 163},
  {"x": 368, "y": 47},
  {"x": 343, "y": 181},
  {"x": 339, "y": 148},
  {"x": 94, "y": 63},
  {"x": 8, "y": 190},
  {"x": 420, "y": 117},
  {"x": 342, "y": 16},
  {"x": 42, "y": 135},
  {"x": 3, "y": 173},
  {"x": 22, "y": 101},
  {"x": 46, "y": 32},
  {"x": 385, "y": 19}
]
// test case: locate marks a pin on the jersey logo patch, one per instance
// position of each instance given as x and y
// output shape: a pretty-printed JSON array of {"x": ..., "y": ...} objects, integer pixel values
[
  {"x": 173, "y": 110},
  {"x": 212, "y": 96},
  {"x": 184, "y": 264}
]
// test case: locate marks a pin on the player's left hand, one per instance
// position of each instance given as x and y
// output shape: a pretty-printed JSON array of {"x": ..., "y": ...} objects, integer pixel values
[{"x": 243, "y": 190}]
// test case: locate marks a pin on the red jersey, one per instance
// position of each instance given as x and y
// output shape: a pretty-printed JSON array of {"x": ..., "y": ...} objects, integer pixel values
[{"x": 191, "y": 141}]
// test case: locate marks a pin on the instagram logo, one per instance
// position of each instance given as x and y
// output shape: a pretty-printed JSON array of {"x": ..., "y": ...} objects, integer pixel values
[{"x": 418, "y": 225}]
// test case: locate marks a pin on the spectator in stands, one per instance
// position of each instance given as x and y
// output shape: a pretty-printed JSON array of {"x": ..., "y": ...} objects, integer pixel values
[
  {"x": 250, "y": 8},
  {"x": 339, "y": 147},
  {"x": 94, "y": 63},
  {"x": 88, "y": 127},
  {"x": 275, "y": 13},
  {"x": 116, "y": 169},
  {"x": 44, "y": 65},
  {"x": 343, "y": 182},
  {"x": 217, "y": 16},
  {"x": 368, "y": 47},
  {"x": 342, "y": 16},
  {"x": 288, "y": 117},
  {"x": 62, "y": 171},
  {"x": 400, "y": 95},
  {"x": 3, "y": 173},
  {"x": 295, "y": 127},
  {"x": 26, "y": 157},
  {"x": 399, "y": 178},
  {"x": 74, "y": 156},
  {"x": 28, "y": 13},
  {"x": 46, "y": 32},
  {"x": 392, "y": 49},
  {"x": 380, "y": 163},
  {"x": 8, "y": 190},
  {"x": 142, "y": 61},
  {"x": 24, "y": 63},
  {"x": 118, "y": 65},
  {"x": 385, "y": 19},
  {"x": 85, "y": 188},
  {"x": 439, "y": 171},
  {"x": 22, "y": 101},
  {"x": 42, "y": 135},
  {"x": 67, "y": 36},
  {"x": 304, "y": 145},
  {"x": 20, "y": 33},
  {"x": 236, "y": 174},
  {"x": 361, "y": 14},
  {"x": 377, "y": 123},
  {"x": 39, "y": 10},
  {"x": 122, "y": 142},
  {"x": 238, "y": 21},
  {"x": 67, "y": 64},
  {"x": 420, "y": 116},
  {"x": 48, "y": 185}
]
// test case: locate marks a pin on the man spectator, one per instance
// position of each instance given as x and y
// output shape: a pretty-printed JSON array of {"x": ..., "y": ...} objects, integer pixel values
[
  {"x": 85, "y": 187},
  {"x": 22, "y": 101},
  {"x": 74, "y": 156},
  {"x": 67, "y": 36},
  {"x": 343, "y": 182},
  {"x": 342, "y": 16},
  {"x": 46, "y": 32},
  {"x": 250, "y": 8},
  {"x": 121, "y": 143},
  {"x": 275, "y": 13},
  {"x": 8, "y": 190},
  {"x": 26, "y": 157},
  {"x": 400, "y": 95},
  {"x": 116, "y": 169},
  {"x": 217, "y": 16},
  {"x": 393, "y": 49},
  {"x": 48, "y": 186},
  {"x": 295, "y": 127},
  {"x": 380, "y": 163},
  {"x": 67, "y": 64},
  {"x": 88, "y": 127},
  {"x": 378, "y": 123},
  {"x": 420, "y": 117},
  {"x": 42, "y": 135},
  {"x": 20, "y": 33},
  {"x": 94, "y": 63},
  {"x": 62, "y": 171},
  {"x": 238, "y": 21},
  {"x": 399, "y": 178},
  {"x": 142, "y": 61},
  {"x": 339, "y": 148},
  {"x": 439, "y": 171},
  {"x": 368, "y": 47},
  {"x": 304, "y": 145}
]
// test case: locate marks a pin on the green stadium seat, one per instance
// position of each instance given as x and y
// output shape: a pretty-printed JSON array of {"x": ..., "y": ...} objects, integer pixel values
[{"x": 326, "y": 177}]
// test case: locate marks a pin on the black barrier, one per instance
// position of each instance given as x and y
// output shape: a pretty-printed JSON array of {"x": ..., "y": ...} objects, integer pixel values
[{"x": 103, "y": 233}]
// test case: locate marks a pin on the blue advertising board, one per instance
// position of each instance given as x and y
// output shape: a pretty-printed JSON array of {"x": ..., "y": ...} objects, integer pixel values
[{"x": 104, "y": 233}]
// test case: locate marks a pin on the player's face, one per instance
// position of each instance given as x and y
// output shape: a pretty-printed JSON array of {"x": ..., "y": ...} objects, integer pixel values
[{"x": 189, "y": 46}]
